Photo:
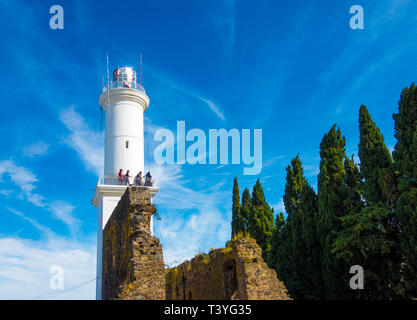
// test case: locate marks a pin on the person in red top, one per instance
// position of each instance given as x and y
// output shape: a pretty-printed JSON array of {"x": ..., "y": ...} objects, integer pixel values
[{"x": 120, "y": 176}]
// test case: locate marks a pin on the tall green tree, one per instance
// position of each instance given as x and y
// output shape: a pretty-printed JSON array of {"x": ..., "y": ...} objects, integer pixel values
[
  {"x": 353, "y": 201},
  {"x": 370, "y": 232},
  {"x": 284, "y": 257},
  {"x": 261, "y": 219},
  {"x": 295, "y": 182},
  {"x": 332, "y": 194},
  {"x": 374, "y": 157},
  {"x": 312, "y": 261},
  {"x": 405, "y": 157},
  {"x": 271, "y": 258},
  {"x": 298, "y": 259},
  {"x": 245, "y": 208},
  {"x": 238, "y": 224}
]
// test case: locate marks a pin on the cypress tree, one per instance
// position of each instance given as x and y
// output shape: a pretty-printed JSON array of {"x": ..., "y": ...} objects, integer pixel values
[
  {"x": 374, "y": 157},
  {"x": 293, "y": 188},
  {"x": 405, "y": 157},
  {"x": 271, "y": 258},
  {"x": 261, "y": 219},
  {"x": 298, "y": 259},
  {"x": 332, "y": 193},
  {"x": 369, "y": 236},
  {"x": 312, "y": 267},
  {"x": 238, "y": 224},
  {"x": 245, "y": 208},
  {"x": 353, "y": 183},
  {"x": 284, "y": 258},
  {"x": 371, "y": 231}
]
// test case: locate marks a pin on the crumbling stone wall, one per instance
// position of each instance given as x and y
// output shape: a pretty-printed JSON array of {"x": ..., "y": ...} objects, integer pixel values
[
  {"x": 133, "y": 265},
  {"x": 234, "y": 273}
]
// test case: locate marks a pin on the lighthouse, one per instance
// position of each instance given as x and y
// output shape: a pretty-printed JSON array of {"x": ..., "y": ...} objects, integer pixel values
[{"x": 124, "y": 102}]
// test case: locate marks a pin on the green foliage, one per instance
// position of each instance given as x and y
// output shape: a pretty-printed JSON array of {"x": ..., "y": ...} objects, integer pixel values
[
  {"x": 405, "y": 152},
  {"x": 332, "y": 196},
  {"x": 374, "y": 156},
  {"x": 238, "y": 223},
  {"x": 405, "y": 157},
  {"x": 297, "y": 252},
  {"x": 245, "y": 209},
  {"x": 295, "y": 183},
  {"x": 261, "y": 219},
  {"x": 284, "y": 257},
  {"x": 295, "y": 280},
  {"x": 312, "y": 263},
  {"x": 365, "y": 217},
  {"x": 271, "y": 258},
  {"x": 239, "y": 235},
  {"x": 369, "y": 239},
  {"x": 353, "y": 202},
  {"x": 369, "y": 232}
]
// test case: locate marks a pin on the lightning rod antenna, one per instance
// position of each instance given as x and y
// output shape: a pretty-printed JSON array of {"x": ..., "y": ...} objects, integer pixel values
[
  {"x": 108, "y": 81},
  {"x": 101, "y": 109},
  {"x": 140, "y": 69}
]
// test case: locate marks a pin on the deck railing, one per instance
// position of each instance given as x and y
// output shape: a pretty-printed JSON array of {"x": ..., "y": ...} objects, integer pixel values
[
  {"x": 124, "y": 181},
  {"x": 124, "y": 84}
]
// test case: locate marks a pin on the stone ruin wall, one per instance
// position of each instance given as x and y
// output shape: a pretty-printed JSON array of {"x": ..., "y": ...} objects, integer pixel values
[
  {"x": 133, "y": 265},
  {"x": 234, "y": 273}
]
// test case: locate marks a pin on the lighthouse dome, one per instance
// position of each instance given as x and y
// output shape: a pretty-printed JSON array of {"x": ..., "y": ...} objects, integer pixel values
[{"x": 126, "y": 74}]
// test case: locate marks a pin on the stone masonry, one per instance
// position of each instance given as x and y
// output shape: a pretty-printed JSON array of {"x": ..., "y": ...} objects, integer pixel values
[
  {"x": 133, "y": 265},
  {"x": 237, "y": 272}
]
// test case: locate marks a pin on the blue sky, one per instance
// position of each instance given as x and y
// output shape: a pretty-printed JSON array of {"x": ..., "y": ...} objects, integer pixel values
[{"x": 290, "y": 68}]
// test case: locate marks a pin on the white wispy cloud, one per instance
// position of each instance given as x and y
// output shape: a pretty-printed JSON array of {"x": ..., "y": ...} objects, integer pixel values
[
  {"x": 272, "y": 161},
  {"x": 6, "y": 192},
  {"x": 311, "y": 169},
  {"x": 279, "y": 207},
  {"x": 86, "y": 142},
  {"x": 225, "y": 21},
  {"x": 213, "y": 107},
  {"x": 37, "y": 149},
  {"x": 192, "y": 93},
  {"x": 26, "y": 180},
  {"x": 62, "y": 211},
  {"x": 41, "y": 228},
  {"x": 25, "y": 271}
]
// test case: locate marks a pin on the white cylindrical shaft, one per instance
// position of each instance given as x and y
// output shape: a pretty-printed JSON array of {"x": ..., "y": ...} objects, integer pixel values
[
  {"x": 124, "y": 145},
  {"x": 124, "y": 138}
]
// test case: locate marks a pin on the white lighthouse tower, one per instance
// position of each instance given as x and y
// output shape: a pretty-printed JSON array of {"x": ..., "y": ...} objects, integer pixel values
[{"x": 124, "y": 102}]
